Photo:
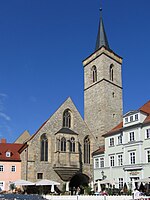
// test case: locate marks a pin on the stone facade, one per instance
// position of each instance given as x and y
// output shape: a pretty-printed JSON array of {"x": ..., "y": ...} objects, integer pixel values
[
  {"x": 58, "y": 161},
  {"x": 102, "y": 98},
  {"x": 48, "y": 154}
]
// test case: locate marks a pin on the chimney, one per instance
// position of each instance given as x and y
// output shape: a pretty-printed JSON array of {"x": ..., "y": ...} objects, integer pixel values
[{"x": 3, "y": 140}]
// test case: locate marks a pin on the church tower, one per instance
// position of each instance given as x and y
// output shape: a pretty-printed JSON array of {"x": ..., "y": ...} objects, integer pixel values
[{"x": 102, "y": 87}]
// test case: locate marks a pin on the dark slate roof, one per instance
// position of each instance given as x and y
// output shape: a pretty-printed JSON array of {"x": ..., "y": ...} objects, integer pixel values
[
  {"x": 67, "y": 131},
  {"x": 101, "y": 36}
]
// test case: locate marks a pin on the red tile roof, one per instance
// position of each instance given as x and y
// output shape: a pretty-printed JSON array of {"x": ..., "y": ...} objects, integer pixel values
[
  {"x": 146, "y": 108},
  {"x": 13, "y": 149},
  {"x": 99, "y": 151}
]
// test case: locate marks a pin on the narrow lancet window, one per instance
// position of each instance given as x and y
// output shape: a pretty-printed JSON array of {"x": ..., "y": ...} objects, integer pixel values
[
  {"x": 44, "y": 148},
  {"x": 87, "y": 150},
  {"x": 72, "y": 144},
  {"x": 67, "y": 119},
  {"x": 63, "y": 144},
  {"x": 111, "y": 72},
  {"x": 94, "y": 74}
]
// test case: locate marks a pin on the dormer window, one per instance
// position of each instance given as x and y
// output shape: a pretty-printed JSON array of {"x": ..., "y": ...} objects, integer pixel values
[
  {"x": 131, "y": 118},
  {"x": 126, "y": 120},
  {"x": 136, "y": 117},
  {"x": 111, "y": 142},
  {"x": 8, "y": 154},
  {"x": 148, "y": 133}
]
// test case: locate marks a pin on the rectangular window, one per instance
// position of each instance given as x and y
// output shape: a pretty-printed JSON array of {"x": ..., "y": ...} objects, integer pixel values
[
  {"x": 1, "y": 168},
  {"x": 120, "y": 160},
  {"x": 136, "y": 117},
  {"x": 39, "y": 175},
  {"x": 148, "y": 156},
  {"x": 112, "y": 161},
  {"x": 131, "y": 136},
  {"x": 101, "y": 162},
  {"x": 120, "y": 139},
  {"x": 96, "y": 162},
  {"x": 148, "y": 133},
  {"x": 13, "y": 168},
  {"x": 131, "y": 118},
  {"x": 126, "y": 120},
  {"x": 132, "y": 158},
  {"x": 120, "y": 183},
  {"x": 111, "y": 142}
]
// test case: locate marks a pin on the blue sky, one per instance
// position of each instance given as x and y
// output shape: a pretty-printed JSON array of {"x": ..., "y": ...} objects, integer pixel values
[{"x": 43, "y": 44}]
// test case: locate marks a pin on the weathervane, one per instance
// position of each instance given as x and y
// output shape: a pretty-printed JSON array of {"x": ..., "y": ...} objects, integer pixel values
[{"x": 100, "y": 8}]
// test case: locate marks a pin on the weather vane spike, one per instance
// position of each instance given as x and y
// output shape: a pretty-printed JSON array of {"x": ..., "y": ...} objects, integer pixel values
[{"x": 101, "y": 8}]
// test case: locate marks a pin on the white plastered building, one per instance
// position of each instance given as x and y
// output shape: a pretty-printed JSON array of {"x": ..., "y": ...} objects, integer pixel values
[{"x": 126, "y": 154}]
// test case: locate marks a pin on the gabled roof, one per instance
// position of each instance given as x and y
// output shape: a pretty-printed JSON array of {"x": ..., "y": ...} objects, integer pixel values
[
  {"x": 145, "y": 108},
  {"x": 13, "y": 149}
]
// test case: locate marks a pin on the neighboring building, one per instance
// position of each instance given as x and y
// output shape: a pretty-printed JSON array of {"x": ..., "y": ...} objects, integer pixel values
[
  {"x": 126, "y": 156},
  {"x": 10, "y": 164},
  {"x": 62, "y": 147}
]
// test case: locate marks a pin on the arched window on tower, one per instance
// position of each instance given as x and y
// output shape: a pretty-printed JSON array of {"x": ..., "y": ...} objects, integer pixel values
[
  {"x": 63, "y": 144},
  {"x": 67, "y": 119},
  {"x": 72, "y": 144},
  {"x": 111, "y": 72},
  {"x": 44, "y": 148},
  {"x": 94, "y": 74},
  {"x": 87, "y": 150}
]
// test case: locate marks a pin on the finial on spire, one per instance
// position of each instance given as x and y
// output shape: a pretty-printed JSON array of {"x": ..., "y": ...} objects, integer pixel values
[{"x": 101, "y": 36}]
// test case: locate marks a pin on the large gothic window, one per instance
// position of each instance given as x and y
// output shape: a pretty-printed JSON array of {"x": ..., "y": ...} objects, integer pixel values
[
  {"x": 72, "y": 144},
  {"x": 63, "y": 144},
  {"x": 44, "y": 148},
  {"x": 111, "y": 72},
  {"x": 67, "y": 119},
  {"x": 87, "y": 150},
  {"x": 94, "y": 74}
]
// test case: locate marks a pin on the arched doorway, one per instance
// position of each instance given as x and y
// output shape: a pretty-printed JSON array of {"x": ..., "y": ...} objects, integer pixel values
[{"x": 78, "y": 181}]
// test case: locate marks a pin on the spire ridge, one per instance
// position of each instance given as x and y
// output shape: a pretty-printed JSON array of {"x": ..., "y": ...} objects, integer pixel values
[{"x": 101, "y": 36}]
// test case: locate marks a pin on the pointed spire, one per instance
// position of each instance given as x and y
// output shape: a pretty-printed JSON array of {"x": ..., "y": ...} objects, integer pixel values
[{"x": 101, "y": 36}]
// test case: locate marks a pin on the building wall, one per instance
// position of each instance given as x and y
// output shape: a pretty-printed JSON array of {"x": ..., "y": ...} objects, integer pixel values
[
  {"x": 31, "y": 164},
  {"x": 103, "y": 98},
  {"x": 7, "y": 176},
  {"x": 140, "y": 146}
]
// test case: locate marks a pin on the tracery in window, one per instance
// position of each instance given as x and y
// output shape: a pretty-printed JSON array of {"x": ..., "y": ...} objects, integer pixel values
[
  {"x": 87, "y": 150},
  {"x": 67, "y": 119},
  {"x": 72, "y": 144},
  {"x": 44, "y": 148},
  {"x": 94, "y": 74},
  {"x": 63, "y": 144}
]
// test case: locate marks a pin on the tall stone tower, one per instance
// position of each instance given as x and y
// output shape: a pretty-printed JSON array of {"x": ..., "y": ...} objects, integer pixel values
[{"x": 102, "y": 87}]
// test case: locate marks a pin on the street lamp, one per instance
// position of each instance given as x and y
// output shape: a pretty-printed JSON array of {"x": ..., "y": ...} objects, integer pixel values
[{"x": 103, "y": 176}]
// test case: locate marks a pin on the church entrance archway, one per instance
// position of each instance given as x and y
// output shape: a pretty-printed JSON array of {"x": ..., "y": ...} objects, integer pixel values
[{"x": 78, "y": 182}]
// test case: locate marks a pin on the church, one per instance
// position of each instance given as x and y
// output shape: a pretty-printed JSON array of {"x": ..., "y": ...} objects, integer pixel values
[{"x": 61, "y": 149}]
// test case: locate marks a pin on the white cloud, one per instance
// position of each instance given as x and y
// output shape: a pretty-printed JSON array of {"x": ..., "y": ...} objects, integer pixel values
[{"x": 4, "y": 116}]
